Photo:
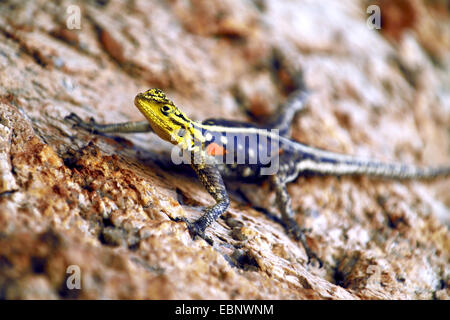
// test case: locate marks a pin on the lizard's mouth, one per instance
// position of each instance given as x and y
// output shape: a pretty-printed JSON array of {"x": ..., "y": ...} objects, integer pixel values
[
  {"x": 138, "y": 102},
  {"x": 145, "y": 108},
  {"x": 156, "y": 122}
]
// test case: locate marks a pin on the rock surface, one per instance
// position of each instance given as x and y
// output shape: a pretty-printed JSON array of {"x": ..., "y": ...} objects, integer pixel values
[{"x": 104, "y": 203}]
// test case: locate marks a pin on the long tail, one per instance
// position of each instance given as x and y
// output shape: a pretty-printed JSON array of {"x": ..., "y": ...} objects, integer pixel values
[
  {"x": 330, "y": 163},
  {"x": 372, "y": 168}
]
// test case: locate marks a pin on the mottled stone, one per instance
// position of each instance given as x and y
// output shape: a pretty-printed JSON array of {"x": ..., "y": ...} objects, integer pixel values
[{"x": 105, "y": 205}]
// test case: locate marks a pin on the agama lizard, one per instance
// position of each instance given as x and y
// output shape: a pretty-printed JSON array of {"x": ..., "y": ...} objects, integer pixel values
[{"x": 229, "y": 149}]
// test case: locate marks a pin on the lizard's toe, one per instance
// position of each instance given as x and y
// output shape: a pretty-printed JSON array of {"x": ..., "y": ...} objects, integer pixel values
[
  {"x": 298, "y": 234},
  {"x": 72, "y": 117},
  {"x": 77, "y": 122},
  {"x": 195, "y": 230}
]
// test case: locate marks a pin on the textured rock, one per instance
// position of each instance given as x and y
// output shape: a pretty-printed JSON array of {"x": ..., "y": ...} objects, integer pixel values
[{"x": 106, "y": 203}]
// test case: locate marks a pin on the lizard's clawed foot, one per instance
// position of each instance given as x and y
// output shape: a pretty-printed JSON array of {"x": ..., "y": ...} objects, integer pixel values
[
  {"x": 298, "y": 234},
  {"x": 312, "y": 256},
  {"x": 78, "y": 122},
  {"x": 195, "y": 229}
]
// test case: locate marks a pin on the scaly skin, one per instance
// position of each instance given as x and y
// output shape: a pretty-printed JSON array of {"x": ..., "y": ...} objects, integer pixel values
[{"x": 216, "y": 147}]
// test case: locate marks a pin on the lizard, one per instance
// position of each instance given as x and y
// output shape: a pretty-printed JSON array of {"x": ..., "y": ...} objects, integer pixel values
[{"x": 221, "y": 149}]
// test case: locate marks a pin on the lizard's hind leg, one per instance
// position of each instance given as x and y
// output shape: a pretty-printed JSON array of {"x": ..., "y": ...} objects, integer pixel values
[
  {"x": 283, "y": 201},
  {"x": 285, "y": 115}
]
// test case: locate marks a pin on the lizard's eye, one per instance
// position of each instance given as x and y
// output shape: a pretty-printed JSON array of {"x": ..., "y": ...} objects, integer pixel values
[{"x": 165, "y": 110}]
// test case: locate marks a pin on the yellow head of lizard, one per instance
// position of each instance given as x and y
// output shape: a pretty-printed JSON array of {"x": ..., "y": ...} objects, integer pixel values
[{"x": 166, "y": 120}]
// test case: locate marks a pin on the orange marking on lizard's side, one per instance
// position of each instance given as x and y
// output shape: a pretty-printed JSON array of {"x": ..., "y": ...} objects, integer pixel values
[{"x": 213, "y": 149}]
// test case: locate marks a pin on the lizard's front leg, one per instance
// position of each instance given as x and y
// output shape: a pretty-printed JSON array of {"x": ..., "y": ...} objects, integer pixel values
[
  {"x": 124, "y": 127},
  {"x": 210, "y": 177}
]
